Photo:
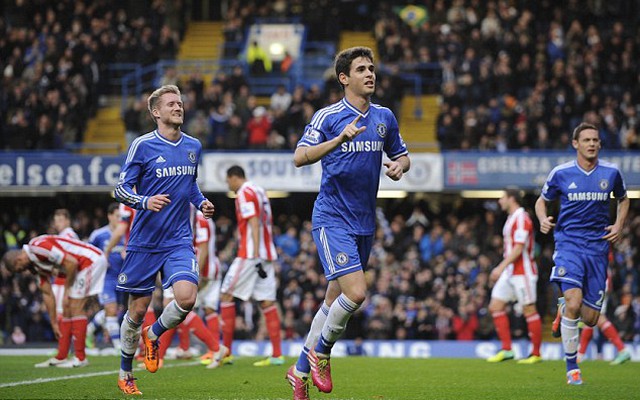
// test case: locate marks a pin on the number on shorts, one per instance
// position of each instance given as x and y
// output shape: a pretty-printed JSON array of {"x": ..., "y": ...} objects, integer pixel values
[
  {"x": 601, "y": 300},
  {"x": 194, "y": 267}
]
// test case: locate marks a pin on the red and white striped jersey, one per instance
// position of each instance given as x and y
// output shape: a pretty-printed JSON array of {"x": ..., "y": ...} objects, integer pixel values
[
  {"x": 127, "y": 214},
  {"x": 68, "y": 233},
  {"x": 47, "y": 251},
  {"x": 253, "y": 201},
  {"x": 519, "y": 230},
  {"x": 205, "y": 232}
]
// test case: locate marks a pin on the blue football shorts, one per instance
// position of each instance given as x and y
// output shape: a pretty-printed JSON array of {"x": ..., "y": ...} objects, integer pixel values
[
  {"x": 576, "y": 269},
  {"x": 340, "y": 251},
  {"x": 139, "y": 271}
]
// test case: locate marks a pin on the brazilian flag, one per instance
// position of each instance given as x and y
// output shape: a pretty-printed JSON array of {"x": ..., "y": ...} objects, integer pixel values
[{"x": 412, "y": 15}]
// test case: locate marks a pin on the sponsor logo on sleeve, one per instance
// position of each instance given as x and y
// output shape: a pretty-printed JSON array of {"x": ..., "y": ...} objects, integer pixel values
[{"x": 311, "y": 135}]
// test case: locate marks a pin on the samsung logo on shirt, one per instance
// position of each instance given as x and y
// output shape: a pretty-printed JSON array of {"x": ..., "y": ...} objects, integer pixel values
[
  {"x": 175, "y": 171},
  {"x": 364, "y": 145},
  {"x": 588, "y": 196}
]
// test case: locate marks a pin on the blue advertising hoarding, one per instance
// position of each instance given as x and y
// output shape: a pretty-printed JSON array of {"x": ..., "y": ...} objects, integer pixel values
[
  {"x": 488, "y": 170},
  {"x": 43, "y": 170},
  {"x": 453, "y": 171}
]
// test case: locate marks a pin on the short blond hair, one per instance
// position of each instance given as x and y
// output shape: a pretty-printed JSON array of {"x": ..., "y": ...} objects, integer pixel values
[{"x": 153, "y": 99}]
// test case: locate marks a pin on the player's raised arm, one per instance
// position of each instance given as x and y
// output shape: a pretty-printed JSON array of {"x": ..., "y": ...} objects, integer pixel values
[{"x": 307, "y": 155}]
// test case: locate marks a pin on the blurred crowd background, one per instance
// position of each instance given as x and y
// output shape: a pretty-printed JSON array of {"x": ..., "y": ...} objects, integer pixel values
[{"x": 516, "y": 75}]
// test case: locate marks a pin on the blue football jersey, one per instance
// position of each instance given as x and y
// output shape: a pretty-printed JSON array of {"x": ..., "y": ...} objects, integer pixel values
[
  {"x": 100, "y": 238},
  {"x": 155, "y": 165},
  {"x": 351, "y": 172},
  {"x": 584, "y": 203}
]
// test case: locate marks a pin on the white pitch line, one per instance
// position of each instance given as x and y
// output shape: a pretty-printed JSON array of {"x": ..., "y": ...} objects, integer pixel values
[{"x": 89, "y": 375}]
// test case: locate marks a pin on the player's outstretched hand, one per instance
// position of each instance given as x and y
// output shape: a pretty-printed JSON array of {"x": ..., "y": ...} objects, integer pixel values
[
  {"x": 613, "y": 235},
  {"x": 158, "y": 202},
  {"x": 207, "y": 209},
  {"x": 394, "y": 170},
  {"x": 351, "y": 130},
  {"x": 546, "y": 225}
]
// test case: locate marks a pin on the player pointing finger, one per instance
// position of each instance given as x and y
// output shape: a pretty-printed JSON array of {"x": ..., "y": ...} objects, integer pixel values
[{"x": 351, "y": 130}]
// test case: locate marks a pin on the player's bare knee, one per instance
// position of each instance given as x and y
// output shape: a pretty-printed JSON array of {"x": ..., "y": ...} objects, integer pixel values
[
  {"x": 495, "y": 307},
  {"x": 529, "y": 310},
  {"x": 357, "y": 296},
  {"x": 573, "y": 306},
  {"x": 590, "y": 321},
  {"x": 186, "y": 303},
  {"x": 266, "y": 304}
]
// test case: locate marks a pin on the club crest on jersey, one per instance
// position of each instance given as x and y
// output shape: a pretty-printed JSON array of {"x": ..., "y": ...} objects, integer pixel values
[
  {"x": 192, "y": 157},
  {"x": 561, "y": 271},
  {"x": 381, "y": 130},
  {"x": 122, "y": 279},
  {"x": 604, "y": 184},
  {"x": 342, "y": 258}
]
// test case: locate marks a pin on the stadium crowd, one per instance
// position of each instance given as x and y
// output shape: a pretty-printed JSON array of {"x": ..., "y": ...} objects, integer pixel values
[
  {"x": 515, "y": 75},
  {"x": 520, "y": 76},
  {"x": 428, "y": 274},
  {"x": 54, "y": 58}
]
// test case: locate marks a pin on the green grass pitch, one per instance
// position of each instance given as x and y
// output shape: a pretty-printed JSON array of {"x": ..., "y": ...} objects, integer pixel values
[{"x": 353, "y": 377}]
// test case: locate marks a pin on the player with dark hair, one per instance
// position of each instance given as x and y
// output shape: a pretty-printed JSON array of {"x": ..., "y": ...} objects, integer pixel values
[
  {"x": 583, "y": 234},
  {"x": 84, "y": 267},
  {"x": 162, "y": 166},
  {"x": 349, "y": 138},
  {"x": 516, "y": 278},
  {"x": 252, "y": 273}
]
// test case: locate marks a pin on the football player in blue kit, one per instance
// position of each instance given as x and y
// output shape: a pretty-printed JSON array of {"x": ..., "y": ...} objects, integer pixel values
[
  {"x": 159, "y": 180},
  {"x": 349, "y": 139},
  {"x": 582, "y": 234},
  {"x": 109, "y": 299}
]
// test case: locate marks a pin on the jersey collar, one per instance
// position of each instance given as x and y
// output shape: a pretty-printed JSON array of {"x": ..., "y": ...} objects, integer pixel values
[
  {"x": 169, "y": 142},
  {"x": 575, "y": 162},
  {"x": 355, "y": 110}
]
